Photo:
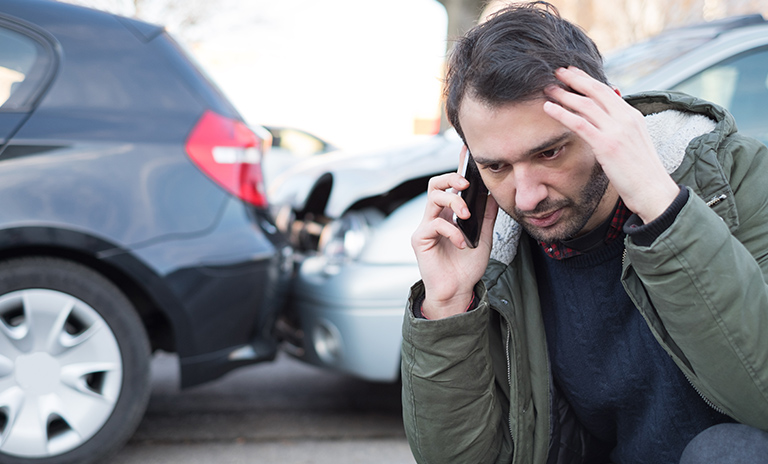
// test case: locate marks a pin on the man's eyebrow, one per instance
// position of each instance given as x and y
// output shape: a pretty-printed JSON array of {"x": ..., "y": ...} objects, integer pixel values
[{"x": 533, "y": 151}]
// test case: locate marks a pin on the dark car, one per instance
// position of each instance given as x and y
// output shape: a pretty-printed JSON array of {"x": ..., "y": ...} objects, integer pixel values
[{"x": 133, "y": 218}]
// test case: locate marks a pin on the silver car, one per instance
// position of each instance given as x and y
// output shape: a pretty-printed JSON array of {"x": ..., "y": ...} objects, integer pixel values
[{"x": 351, "y": 217}]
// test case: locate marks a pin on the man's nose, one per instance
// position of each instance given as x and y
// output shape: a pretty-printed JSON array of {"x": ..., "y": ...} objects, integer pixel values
[{"x": 529, "y": 189}]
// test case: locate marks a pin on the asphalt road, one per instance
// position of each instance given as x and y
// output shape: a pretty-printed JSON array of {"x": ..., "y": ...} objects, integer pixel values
[{"x": 281, "y": 412}]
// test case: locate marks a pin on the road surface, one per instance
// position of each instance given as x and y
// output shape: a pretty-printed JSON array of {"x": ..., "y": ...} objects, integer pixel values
[{"x": 280, "y": 412}]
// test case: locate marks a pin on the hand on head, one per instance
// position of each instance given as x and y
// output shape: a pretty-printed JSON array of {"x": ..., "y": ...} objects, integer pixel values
[{"x": 617, "y": 134}]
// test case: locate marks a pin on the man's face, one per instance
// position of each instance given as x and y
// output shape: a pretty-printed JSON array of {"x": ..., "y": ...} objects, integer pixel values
[{"x": 538, "y": 171}]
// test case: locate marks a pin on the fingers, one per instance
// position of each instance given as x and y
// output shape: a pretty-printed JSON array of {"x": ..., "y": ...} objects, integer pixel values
[
  {"x": 593, "y": 100},
  {"x": 449, "y": 230},
  {"x": 593, "y": 110},
  {"x": 442, "y": 203},
  {"x": 440, "y": 198},
  {"x": 585, "y": 128},
  {"x": 586, "y": 89}
]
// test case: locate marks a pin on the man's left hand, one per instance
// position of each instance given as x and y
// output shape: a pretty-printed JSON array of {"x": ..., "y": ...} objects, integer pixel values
[{"x": 619, "y": 138}]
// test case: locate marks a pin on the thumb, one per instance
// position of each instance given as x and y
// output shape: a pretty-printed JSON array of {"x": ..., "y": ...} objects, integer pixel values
[{"x": 489, "y": 219}]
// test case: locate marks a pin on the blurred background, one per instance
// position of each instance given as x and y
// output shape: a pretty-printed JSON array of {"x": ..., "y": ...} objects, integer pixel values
[{"x": 365, "y": 74}]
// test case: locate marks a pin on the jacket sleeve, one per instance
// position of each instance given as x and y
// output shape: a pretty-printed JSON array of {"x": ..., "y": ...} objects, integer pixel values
[
  {"x": 704, "y": 290},
  {"x": 451, "y": 409}
]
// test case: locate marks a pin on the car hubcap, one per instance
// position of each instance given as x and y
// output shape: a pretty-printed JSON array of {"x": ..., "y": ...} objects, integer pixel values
[{"x": 60, "y": 373}]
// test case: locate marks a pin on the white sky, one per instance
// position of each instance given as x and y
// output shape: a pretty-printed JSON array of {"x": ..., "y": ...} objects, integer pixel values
[{"x": 352, "y": 71}]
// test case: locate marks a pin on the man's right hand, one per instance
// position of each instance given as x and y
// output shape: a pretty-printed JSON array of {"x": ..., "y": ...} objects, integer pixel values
[{"x": 448, "y": 267}]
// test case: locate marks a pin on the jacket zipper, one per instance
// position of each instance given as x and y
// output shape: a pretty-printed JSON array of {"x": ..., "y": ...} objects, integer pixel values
[
  {"x": 716, "y": 199},
  {"x": 712, "y": 202},
  {"x": 509, "y": 377},
  {"x": 706, "y": 400}
]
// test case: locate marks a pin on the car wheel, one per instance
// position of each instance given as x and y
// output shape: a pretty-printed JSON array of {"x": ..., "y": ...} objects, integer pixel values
[{"x": 74, "y": 363}]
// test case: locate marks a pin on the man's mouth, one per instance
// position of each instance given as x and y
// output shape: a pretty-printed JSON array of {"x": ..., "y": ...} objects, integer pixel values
[{"x": 545, "y": 220}]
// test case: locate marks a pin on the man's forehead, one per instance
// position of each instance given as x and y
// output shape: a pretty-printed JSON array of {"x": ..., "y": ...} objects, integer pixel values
[
  {"x": 474, "y": 101},
  {"x": 475, "y": 108},
  {"x": 515, "y": 129}
]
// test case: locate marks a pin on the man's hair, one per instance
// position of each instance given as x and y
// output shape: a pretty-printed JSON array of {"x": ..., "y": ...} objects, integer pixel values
[{"x": 513, "y": 56}]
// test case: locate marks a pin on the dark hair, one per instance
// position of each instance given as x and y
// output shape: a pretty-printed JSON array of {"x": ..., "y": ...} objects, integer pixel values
[{"x": 513, "y": 56}]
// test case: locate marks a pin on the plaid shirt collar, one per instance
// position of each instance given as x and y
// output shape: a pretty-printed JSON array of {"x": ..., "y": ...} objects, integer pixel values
[{"x": 557, "y": 250}]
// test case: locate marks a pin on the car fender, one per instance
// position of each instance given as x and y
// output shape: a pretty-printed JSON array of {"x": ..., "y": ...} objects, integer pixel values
[{"x": 115, "y": 263}]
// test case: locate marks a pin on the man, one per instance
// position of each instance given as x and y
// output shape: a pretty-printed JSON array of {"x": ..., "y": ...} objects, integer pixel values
[{"x": 628, "y": 321}]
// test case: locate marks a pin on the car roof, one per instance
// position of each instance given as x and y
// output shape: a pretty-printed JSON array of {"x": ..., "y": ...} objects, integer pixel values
[
  {"x": 84, "y": 38},
  {"x": 668, "y": 58}
]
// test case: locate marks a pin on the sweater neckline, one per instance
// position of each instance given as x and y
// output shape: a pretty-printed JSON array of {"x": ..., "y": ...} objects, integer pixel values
[{"x": 598, "y": 255}]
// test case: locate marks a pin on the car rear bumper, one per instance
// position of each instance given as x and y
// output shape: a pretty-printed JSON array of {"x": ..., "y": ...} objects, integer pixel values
[
  {"x": 223, "y": 292},
  {"x": 351, "y": 318}
]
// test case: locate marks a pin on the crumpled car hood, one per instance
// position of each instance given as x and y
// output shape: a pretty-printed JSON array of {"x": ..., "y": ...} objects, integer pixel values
[{"x": 358, "y": 176}]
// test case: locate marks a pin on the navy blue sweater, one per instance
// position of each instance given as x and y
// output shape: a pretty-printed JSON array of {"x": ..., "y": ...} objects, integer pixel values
[{"x": 624, "y": 388}]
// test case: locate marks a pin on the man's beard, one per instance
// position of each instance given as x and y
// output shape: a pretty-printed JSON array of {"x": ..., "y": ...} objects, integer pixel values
[{"x": 578, "y": 214}]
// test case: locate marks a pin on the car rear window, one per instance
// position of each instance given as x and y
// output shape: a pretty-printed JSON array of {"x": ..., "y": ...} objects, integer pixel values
[
  {"x": 740, "y": 84},
  {"x": 21, "y": 59},
  {"x": 195, "y": 76}
]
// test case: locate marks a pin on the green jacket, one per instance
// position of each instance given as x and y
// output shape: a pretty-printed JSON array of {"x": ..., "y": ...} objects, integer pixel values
[{"x": 477, "y": 386}]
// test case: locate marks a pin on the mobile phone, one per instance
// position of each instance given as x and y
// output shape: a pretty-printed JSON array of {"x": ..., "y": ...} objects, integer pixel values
[{"x": 475, "y": 196}]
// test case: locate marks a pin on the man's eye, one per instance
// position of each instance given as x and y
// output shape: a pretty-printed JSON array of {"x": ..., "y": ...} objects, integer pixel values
[
  {"x": 549, "y": 154},
  {"x": 495, "y": 167}
]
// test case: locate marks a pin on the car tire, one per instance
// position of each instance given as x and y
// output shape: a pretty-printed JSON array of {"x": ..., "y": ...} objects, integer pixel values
[{"x": 74, "y": 363}]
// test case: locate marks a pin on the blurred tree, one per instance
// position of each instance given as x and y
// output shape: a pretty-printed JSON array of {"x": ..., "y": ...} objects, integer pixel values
[
  {"x": 188, "y": 20},
  {"x": 616, "y": 23},
  {"x": 462, "y": 15}
]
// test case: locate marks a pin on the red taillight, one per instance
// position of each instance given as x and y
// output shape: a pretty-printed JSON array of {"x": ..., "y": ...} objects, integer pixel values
[{"x": 230, "y": 153}]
